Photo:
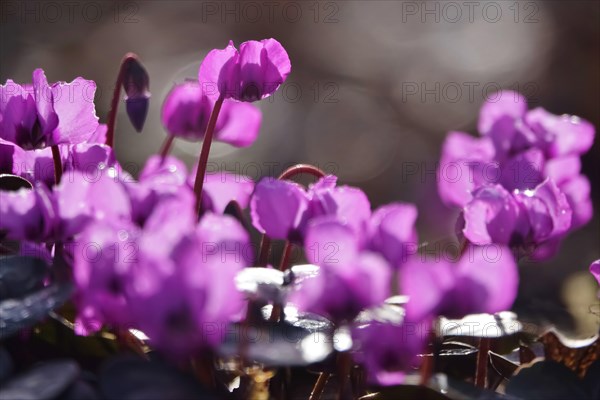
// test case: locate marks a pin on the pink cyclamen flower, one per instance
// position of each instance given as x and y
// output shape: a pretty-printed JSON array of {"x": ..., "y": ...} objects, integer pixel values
[
  {"x": 282, "y": 209},
  {"x": 389, "y": 351},
  {"x": 518, "y": 150},
  {"x": 39, "y": 115},
  {"x": 250, "y": 74},
  {"x": 186, "y": 111},
  {"x": 350, "y": 278},
  {"x": 484, "y": 280}
]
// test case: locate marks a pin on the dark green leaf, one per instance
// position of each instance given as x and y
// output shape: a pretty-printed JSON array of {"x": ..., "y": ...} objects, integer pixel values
[
  {"x": 481, "y": 325},
  {"x": 129, "y": 378},
  {"x": 17, "y": 314},
  {"x": 43, "y": 382},
  {"x": 546, "y": 380},
  {"x": 20, "y": 275},
  {"x": 13, "y": 183},
  {"x": 280, "y": 344}
]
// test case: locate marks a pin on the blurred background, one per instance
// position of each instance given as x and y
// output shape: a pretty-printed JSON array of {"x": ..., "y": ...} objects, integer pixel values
[{"x": 375, "y": 87}]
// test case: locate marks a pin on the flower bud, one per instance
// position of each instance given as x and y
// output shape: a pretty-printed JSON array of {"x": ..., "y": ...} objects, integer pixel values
[{"x": 136, "y": 83}]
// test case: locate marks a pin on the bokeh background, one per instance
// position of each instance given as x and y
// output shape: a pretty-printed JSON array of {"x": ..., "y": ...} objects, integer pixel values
[{"x": 375, "y": 86}]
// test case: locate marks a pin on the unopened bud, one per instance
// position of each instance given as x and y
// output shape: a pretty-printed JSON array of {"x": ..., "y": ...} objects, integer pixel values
[{"x": 136, "y": 83}]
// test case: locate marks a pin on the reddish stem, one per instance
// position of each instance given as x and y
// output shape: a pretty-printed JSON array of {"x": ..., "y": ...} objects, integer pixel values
[
  {"x": 166, "y": 147},
  {"x": 285, "y": 258},
  {"x": 57, "y": 163},
  {"x": 203, "y": 161},
  {"x": 114, "y": 103},
  {"x": 482, "y": 362},
  {"x": 263, "y": 253},
  {"x": 301, "y": 169}
]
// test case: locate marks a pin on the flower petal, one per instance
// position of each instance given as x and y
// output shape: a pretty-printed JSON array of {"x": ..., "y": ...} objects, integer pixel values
[{"x": 393, "y": 232}]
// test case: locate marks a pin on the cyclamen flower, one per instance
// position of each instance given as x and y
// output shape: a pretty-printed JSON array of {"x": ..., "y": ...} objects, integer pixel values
[
  {"x": 281, "y": 209},
  {"x": 519, "y": 151},
  {"x": 350, "y": 279},
  {"x": 42, "y": 214},
  {"x": 37, "y": 165},
  {"x": 388, "y": 351},
  {"x": 186, "y": 111},
  {"x": 221, "y": 188},
  {"x": 173, "y": 279},
  {"x": 521, "y": 219},
  {"x": 483, "y": 280},
  {"x": 39, "y": 115},
  {"x": 252, "y": 73}
]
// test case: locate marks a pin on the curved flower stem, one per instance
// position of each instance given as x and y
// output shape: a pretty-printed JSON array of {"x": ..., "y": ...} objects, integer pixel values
[
  {"x": 301, "y": 169},
  {"x": 114, "y": 103},
  {"x": 57, "y": 163},
  {"x": 208, "y": 137},
  {"x": 166, "y": 147},
  {"x": 319, "y": 387}
]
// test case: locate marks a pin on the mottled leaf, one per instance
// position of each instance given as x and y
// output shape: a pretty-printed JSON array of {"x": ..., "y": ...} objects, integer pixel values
[{"x": 481, "y": 325}]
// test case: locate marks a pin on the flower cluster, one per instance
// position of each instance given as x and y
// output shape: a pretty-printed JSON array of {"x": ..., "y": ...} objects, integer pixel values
[
  {"x": 162, "y": 254},
  {"x": 520, "y": 183}
]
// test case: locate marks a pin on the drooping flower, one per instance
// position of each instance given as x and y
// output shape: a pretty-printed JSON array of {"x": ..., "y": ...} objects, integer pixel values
[
  {"x": 519, "y": 150},
  {"x": 252, "y": 73},
  {"x": 483, "y": 280},
  {"x": 521, "y": 219},
  {"x": 91, "y": 157},
  {"x": 350, "y": 279},
  {"x": 39, "y": 115},
  {"x": 186, "y": 112},
  {"x": 282, "y": 209},
  {"x": 392, "y": 232},
  {"x": 388, "y": 351},
  {"x": 221, "y": 188}
]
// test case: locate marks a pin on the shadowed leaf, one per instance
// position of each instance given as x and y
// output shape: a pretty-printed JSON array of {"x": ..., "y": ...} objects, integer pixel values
[{"x": 45, "y": 381}]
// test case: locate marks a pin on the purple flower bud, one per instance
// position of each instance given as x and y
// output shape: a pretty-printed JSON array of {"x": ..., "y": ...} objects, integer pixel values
[{"x": 137, "y": 88}]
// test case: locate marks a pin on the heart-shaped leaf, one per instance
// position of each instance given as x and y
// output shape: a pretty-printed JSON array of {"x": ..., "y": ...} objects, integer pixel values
[
  {"x": 313, "y": 323},
  {"x": 17, "y": 314},
  {"x": 129, "y": 378},
  {"x": 20, "y": 276},
  {"x": 546, "y": 380},
  {"x": 577, "y": 355},
  {"x": 280, "y": 344},
  {"x": 481, "y": 325},
  {"x": 45, "y": 381},
  {"x": 12, "y": 183}
]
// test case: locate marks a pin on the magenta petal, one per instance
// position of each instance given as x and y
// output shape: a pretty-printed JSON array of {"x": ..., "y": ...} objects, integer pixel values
[
  {"x": 219, "y": 72},
  {"x": 547, "y": 203},
  {"x": 426, "y": 285},
  {"x": 264, "y": 66},
  {"x": 492, "y": 216},
  {"x": 27, "y": 214},
  {"x": 74, "y": 105},
  {"x": 490, "y": 278},
  {"x": 17, "y": 113},
  {"x": 578, "y": 192},
  {"x": 503, "y": 104},
  {"x": 466, "y": 163},
  {"x": 563, "y": 134},
  {"x": 393, "y": 232},
  {"x": 277, "y": 207},
  {"x": 595, "y": 270},
  {"x": 348, "y": 204},
  {"x": 221, "y": 188},
  {"x": 524, "y": 171},
  {"x": 186, "y": 111},
  {"x": 238, "y": 123},
  {"x": 99, "y": 135},
  {"x": 562, "y": 169},
  {"x": 44, "y": 102},
  {"x": 330, "y": 242}
]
